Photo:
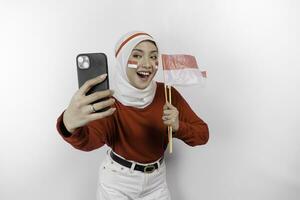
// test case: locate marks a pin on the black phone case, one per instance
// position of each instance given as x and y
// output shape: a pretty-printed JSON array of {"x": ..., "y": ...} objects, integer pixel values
[{"x": 97, "y": 66}]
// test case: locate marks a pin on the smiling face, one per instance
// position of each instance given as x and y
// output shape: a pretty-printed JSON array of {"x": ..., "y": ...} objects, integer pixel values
[{"x": 143, "y": 62}]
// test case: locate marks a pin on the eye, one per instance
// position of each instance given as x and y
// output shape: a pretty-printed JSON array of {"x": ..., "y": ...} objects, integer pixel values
[
  {"x": 136, "y": 56},
  {"x": 154, "y": 57}
]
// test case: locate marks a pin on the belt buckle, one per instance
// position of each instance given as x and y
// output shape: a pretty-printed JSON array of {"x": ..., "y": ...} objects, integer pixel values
[{"x": 151, "y": 167}]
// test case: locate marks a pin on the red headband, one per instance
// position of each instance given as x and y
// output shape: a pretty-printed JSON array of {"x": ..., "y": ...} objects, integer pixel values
[{"x": 133, "y": 36}]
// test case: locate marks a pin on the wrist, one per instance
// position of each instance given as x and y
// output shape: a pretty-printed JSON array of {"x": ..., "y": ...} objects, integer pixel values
[
  {"x": 176, "y": 127},
  {"x": 67, "y": 126}
]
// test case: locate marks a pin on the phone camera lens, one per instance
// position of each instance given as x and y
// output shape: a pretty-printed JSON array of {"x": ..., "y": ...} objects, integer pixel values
[
  {"x": 80, "y": 59},
  {"x": 86, "y": 65}
]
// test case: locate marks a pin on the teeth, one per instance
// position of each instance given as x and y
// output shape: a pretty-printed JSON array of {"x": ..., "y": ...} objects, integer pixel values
[{"x": 144, "y": 73}]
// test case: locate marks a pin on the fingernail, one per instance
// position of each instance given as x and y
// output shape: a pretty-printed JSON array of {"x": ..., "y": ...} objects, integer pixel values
[{"x": 103, "y": 75}]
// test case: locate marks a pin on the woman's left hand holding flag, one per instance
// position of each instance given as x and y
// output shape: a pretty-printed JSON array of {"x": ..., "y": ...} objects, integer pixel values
[{"x": 171, "y": 116}]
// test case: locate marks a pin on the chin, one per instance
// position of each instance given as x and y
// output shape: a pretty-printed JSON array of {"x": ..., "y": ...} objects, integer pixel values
[{"x": 141, "y": 85}]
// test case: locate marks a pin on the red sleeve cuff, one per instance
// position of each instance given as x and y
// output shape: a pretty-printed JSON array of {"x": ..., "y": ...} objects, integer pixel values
[
  {"x": 61, "y": 128},
  {"x": 180, "y": 131}
]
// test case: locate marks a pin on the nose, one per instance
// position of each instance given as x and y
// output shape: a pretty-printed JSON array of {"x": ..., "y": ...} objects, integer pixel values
[{"x": 146, "y": 63}]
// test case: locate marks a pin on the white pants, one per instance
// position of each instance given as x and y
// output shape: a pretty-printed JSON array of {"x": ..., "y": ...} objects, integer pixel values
[{"x": 117, "y": 182}]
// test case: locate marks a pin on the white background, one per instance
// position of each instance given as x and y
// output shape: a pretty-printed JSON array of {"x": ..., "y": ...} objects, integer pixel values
[{"x": 250, "y": 100}]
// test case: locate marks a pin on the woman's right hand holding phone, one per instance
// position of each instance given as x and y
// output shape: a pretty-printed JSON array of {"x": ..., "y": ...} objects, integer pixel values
[{"x": 81, "y": 109}]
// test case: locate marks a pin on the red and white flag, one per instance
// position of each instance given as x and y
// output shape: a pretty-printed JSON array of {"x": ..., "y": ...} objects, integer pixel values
[{"x": 181, "y": 70}]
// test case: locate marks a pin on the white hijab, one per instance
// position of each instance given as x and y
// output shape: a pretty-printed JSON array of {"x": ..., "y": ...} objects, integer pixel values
[{"x": 124, "y": 92}]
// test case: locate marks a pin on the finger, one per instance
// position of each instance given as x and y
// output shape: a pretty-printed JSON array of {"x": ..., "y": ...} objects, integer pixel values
[
  {"x": 104, "y": 104},
  {"x": 164, "y": 118},
  {"x": 165, "y": 107},
  {"x": 101, "y": 115},
  {"x": 90, "y": 83},
  {"x": 96, "y": 96},
  {"x": 169, "y": 122},
  {"x": 87, "y": 109},
  {"x": 174, "y": 112},
  {"x": 168, "y": 112},
  {"x": 170, "y": 106},
  {"x": 168, "y": 117},
  {"x": 171, "y": 116}
]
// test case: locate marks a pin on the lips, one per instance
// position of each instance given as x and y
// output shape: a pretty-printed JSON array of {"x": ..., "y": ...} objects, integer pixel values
[{"x": 144, "y": 75}]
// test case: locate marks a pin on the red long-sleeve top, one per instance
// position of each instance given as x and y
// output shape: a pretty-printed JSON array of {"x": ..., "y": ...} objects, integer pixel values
[{"x": 138, "y": 134}]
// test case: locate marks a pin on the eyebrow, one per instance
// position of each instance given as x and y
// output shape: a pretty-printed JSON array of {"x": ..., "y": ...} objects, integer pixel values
[{"x": 143, "y": 51}]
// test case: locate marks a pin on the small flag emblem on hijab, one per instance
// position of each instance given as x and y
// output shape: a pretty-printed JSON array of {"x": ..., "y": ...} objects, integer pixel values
[{"x": 181, "y": 70}]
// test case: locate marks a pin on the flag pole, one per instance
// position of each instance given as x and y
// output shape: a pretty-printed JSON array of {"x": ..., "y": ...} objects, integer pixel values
[
  {"x": 170, "y": 129},
  {"x": 168, "y": 96}
]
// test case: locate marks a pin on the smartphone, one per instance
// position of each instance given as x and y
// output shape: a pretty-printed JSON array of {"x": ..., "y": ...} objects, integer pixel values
[{"x": 91, "y": 65}]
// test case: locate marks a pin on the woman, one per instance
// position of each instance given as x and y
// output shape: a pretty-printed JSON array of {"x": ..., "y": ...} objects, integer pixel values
[{"x": 135, "y": 127}]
